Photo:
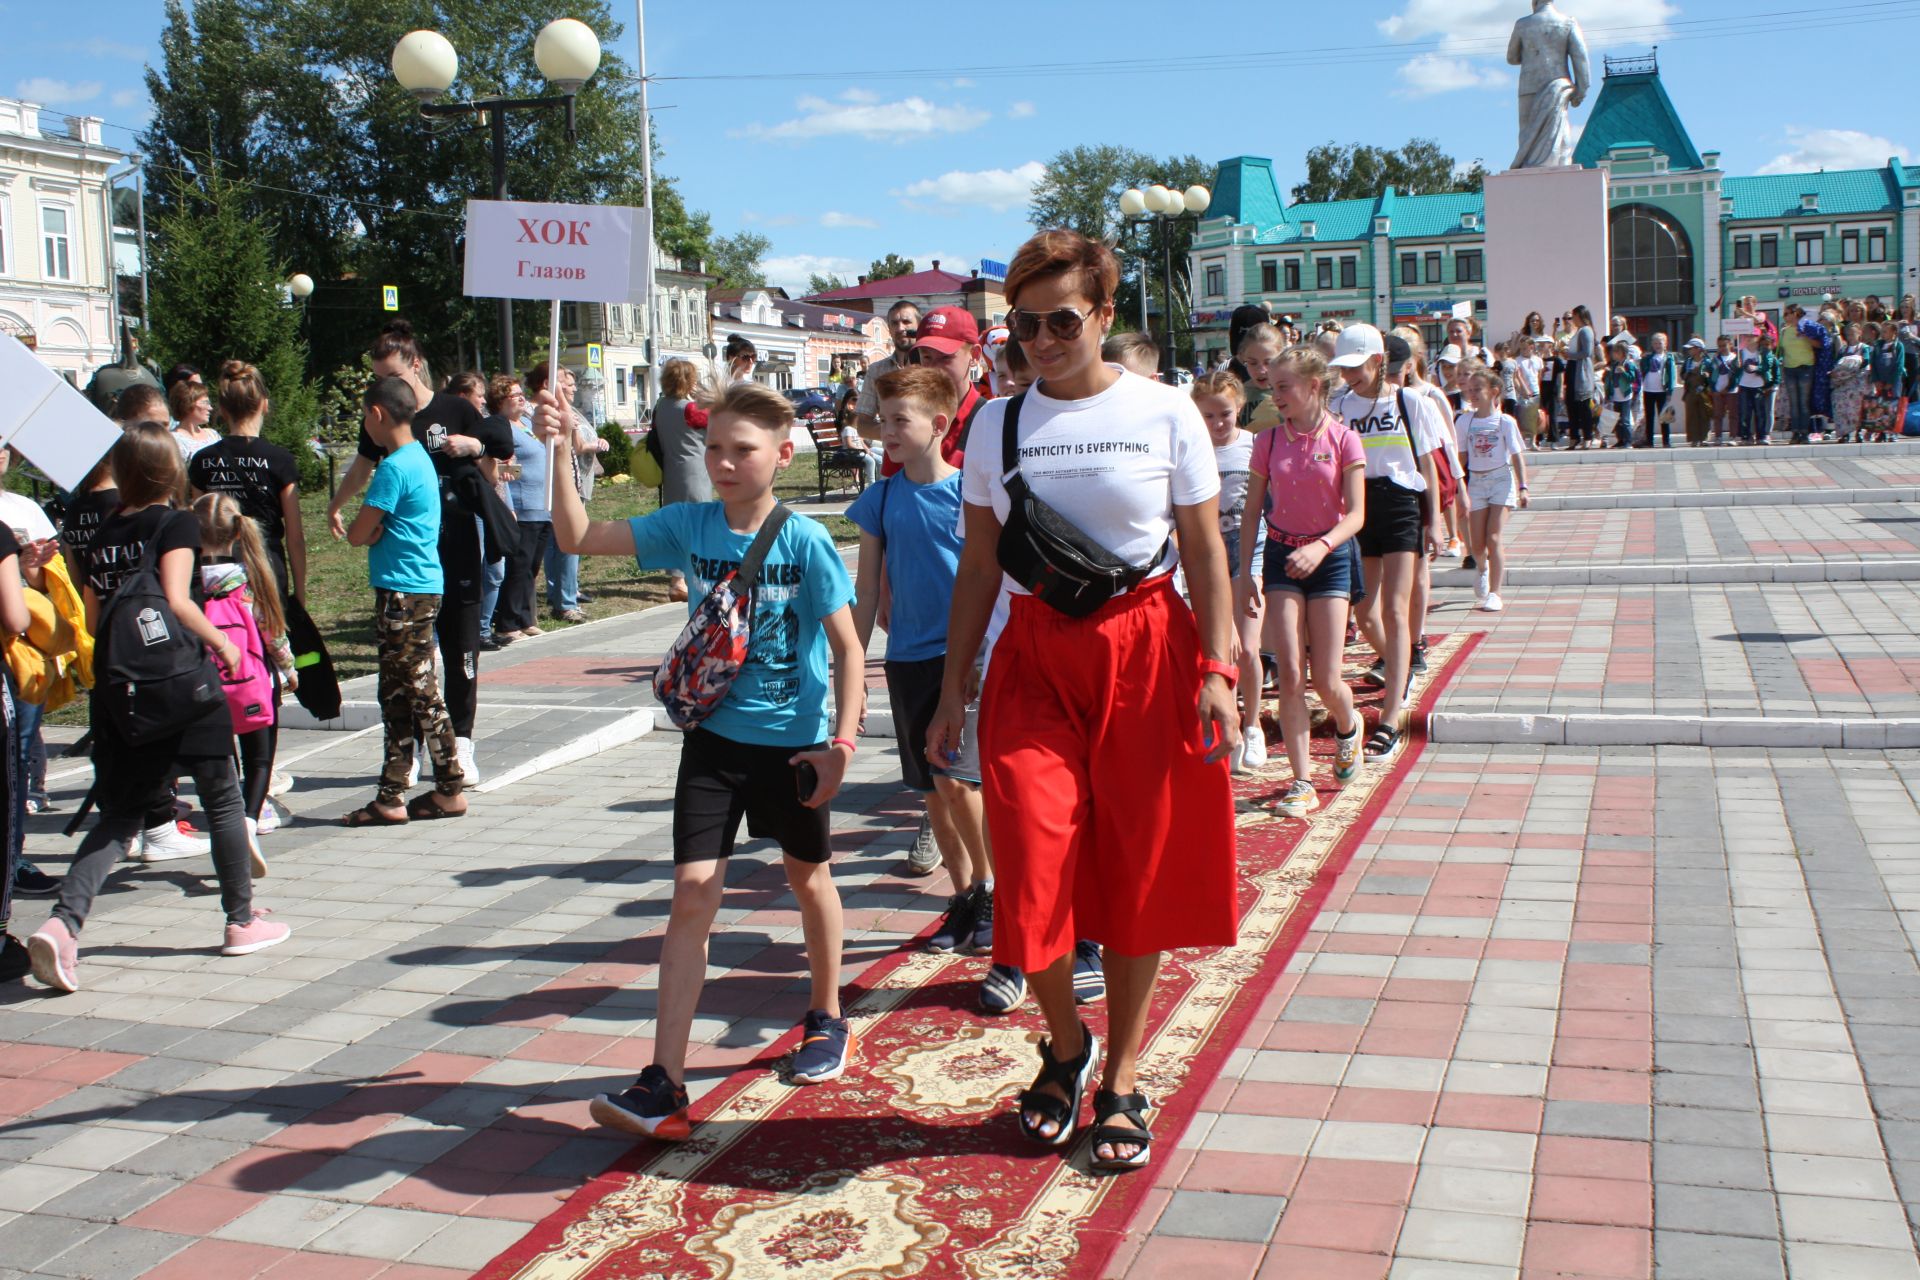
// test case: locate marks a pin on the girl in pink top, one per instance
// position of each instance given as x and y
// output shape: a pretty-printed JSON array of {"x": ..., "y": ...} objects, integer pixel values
[{"x": 1314, "y": 468}]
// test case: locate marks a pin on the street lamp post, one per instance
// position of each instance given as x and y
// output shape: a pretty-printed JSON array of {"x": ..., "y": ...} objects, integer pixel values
[
  {"x": 1158, "y": 207},
  {"x": 567, "y": 53}
]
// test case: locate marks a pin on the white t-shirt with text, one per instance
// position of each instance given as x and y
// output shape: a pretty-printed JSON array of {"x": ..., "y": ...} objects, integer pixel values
[{"x": 1393, "y": 451}]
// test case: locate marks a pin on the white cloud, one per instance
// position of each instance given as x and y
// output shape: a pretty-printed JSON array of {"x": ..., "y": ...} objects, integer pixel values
[
  {"x": 126, "y": 99},
  {"x": 791, "y": 271},
  {"x": 1020, "y": 110},
  {"x": 57, "y": 93},
  {"x": 996, "y": 189},
  {"x": 1833, "y": 149},
  {"x": 1431, "y": 73},
  {"x": 834, "y": 218},
  {"x": 1471, "y": 26},
  {"x": 860, "y": 113}
]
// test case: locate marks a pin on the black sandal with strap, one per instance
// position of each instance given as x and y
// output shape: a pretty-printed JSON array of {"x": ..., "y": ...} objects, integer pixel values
[
  {"x": 1072, "y": 1077},
  {"x": 1108, "y": 1104}
]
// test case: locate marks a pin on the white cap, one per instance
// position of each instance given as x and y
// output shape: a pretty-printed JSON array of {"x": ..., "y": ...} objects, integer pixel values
[
  {"x": 1622, "y": 339},
  {"x": 1451, "y": 355},
  {"x": 1357, "y": 344}
]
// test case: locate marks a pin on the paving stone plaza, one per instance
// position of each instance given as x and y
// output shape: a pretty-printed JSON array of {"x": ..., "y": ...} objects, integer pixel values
[{"x": 1621, "y": 984}]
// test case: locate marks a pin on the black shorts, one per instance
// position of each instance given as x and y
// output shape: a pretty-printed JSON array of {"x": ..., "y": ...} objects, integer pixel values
[
  {"x": 913, "y": 691},
  {"x": 1393, "y": 520},
  {"x": 722, "y": 780}
]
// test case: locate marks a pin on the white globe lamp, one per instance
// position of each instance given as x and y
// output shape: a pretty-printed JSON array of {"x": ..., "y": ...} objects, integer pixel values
[
  {"x": 424, "y": 62},
  {"x": 567, "y": 53},
  {"x": 1197, "y": 199},
  {"x": 300, "y": 285},
  {"x": 1133, "y": 202},
  {"x": 1159, "y": 199}
]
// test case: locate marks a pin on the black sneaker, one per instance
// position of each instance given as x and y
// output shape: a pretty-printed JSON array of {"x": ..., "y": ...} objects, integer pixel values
[
  {"x": 15, "y": 962},
  {"x": 490, "y": 645},
  {"x": 655, "y": 1107},
  {"x": 1420, "y": 659},
  {"x": 1377, "y": 674},
  {"x": 30, "y": 881},
  {"x": 1003, "y": 989},
  {"x": 1468, "y": 563},
  {"x": 956, "y": 926},
  {"x": 826, "y": 1046},
  {"x": 1089, "y": 974},
  {"x": 982, "y": 944}
]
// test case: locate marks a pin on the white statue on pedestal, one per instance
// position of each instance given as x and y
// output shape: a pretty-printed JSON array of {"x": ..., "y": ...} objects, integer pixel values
[{"x": 1552, "y": 56}]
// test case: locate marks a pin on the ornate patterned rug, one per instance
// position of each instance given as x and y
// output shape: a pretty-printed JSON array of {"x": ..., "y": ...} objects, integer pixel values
[{"x": 911, "y": 1165}]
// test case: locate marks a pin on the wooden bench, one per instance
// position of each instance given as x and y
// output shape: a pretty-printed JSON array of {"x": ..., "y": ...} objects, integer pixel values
[{"x": 834, "y": 456}]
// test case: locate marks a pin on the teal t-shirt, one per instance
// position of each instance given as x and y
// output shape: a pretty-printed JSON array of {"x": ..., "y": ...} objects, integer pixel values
[
  {"x": 406, "y": 556},
  {"x": 781, "y": 696}
]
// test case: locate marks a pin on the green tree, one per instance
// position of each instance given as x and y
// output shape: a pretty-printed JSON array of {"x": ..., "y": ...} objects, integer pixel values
[
  {"x": 737, "y": 259},
  {"x": 1357, "y": 171},
  {"x": 216, "y": 289},
  {"x": 817, "y": 283},
  {"x": 889, "y": 267}
]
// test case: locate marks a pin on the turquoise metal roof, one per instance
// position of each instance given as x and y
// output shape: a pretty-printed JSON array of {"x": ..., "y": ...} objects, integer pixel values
[
  {"x": 1244, "y": 190},
  {"x": 1839, "y": 190},
  {"x": 1332, "y": 219},
  {"x": 1635, "y": 109},
  {"x": 1435, "y": 215}
]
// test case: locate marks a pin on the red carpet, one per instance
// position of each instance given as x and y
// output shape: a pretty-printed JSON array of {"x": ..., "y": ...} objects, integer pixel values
[{"x": 912, "y": 1164}]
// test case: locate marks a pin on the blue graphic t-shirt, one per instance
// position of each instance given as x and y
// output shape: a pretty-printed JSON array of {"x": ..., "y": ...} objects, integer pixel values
[
  {"x": 780, "y": 698},
  {"x": 922, "y": 532}
]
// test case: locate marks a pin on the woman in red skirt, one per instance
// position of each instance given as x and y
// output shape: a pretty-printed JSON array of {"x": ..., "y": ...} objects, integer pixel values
[{"x": 1105, "y": 728}]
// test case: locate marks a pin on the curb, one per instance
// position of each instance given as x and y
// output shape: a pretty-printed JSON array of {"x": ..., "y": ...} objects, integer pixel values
[
  {"x": 1811, "y": 496},
  {"x": 628, "y": 728},
  {"x": 1704, "y": 453},
  {"x": 1856, "y": 733},
  {"x": 1641, "y": 575}
]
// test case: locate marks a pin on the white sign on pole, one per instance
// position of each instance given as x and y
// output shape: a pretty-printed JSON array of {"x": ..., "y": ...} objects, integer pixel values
[
  {"x": 1737, "y": 327},
  {"x": 53, "y": 426},
  {"x": 576, "y": 252}
]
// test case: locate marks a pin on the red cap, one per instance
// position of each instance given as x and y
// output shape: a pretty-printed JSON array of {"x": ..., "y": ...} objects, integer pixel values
[{"x": 947, "y": 329}]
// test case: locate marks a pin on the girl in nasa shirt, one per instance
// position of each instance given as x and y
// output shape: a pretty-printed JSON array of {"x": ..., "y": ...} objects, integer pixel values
[{"x": 1103, "y": 738}]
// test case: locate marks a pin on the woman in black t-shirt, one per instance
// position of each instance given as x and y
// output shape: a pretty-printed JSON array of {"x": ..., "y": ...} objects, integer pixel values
[
  {"x": 261, "y": 476},
  {"x": 92, "y": 502},
  {"x": 13, "y": 622},
  {"x": 130, "y": 780}
]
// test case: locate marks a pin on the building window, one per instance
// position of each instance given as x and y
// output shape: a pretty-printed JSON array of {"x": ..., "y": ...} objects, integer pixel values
[
  {"x": 570, "y": 316},
  {"x": 1810, "y": 249},
  {"x": 1349, "y": 273},
  {"x": 1409, "y": 268},
  {"x": 1269, "y": 277},
  {"x": 1877, "y": 245},
  {"x": 1323, "y": 273},
  {"x": 6, "y": 241},
  {"x": 1433, "y": 268},
  {"x": 1769, "y": 251},
  {"x": 1652, "y": 260},
  {"x": 1743, "y": 253},
  {"x": 1292, "y": 274},
  {"x": 1850, "y": 246},
  {"x": 56, "y": 241},
  {"x": 1466, "y": 267},
  {"x": 619, "y": 385},
  {"x": 673, "y": 316},
  {"x": 1216, "y": 281}
]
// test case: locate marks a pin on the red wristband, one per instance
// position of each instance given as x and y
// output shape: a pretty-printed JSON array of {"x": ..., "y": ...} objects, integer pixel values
[
  {"x": 1225, "y": 670},
  {"x": 853, "y": 748}
]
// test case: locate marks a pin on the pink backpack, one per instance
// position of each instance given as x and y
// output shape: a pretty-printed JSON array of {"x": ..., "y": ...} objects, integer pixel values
[{"x": 250, "y": 689}]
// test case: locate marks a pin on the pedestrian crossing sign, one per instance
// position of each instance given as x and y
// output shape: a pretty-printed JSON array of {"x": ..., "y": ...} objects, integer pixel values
[
  {"x": 389, "y": 297},
  {"x": 593, "y": 355}
]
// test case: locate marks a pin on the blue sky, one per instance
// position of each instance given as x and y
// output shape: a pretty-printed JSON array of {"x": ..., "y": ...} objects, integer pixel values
[{"x": 847, "y": 140}]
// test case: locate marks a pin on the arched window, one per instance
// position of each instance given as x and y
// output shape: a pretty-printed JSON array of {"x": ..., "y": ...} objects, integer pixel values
[{"x": 1652, "y": 260}]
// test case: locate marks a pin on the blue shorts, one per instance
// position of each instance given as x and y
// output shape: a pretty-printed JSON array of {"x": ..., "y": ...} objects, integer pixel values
[
  {"x": 1334, "y": 578},
  {"x": 1233, "y": 551}
]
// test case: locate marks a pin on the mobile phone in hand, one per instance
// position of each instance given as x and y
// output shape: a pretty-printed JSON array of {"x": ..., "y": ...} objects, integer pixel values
[{"x": 807, "y": 779}]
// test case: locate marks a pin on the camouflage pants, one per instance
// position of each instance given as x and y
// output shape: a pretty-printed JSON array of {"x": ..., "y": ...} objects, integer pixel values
[{"x": 410, "y": 704}]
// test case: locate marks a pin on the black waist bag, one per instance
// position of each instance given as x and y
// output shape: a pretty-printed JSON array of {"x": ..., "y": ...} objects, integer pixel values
[
  {"x": 155, "y": 677},
  {"x": 1047, "y": 553}
]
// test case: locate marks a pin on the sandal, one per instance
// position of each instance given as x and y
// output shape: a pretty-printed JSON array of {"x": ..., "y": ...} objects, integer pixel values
[
  {"x": 368, "y": 816},
  {"x": 1384, "y": 745},
  {"x": 423, "y": 808},
  {"x": 1072, "y": 1076},
  {"x": 1108, "y": 1104}
]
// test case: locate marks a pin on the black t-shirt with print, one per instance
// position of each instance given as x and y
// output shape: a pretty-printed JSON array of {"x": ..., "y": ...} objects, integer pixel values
[
  {"x": 255, "y": 473},
  {"x": 122, "y": 540},
  {"x": 81, "y": 522},
  {"x": 447, "y": 415}
]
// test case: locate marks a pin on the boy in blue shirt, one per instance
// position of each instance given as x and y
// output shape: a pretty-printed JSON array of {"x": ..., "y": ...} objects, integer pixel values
[
  {"x": 763, "y": 753},
  {"x": 910, "y": 541},
  {"x": 399, "y": 525}
]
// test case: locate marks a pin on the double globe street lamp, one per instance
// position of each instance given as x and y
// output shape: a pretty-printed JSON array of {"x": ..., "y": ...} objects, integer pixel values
[
  {"x": 1158, "y": 207},
  {"x": 567, "y": 53}
]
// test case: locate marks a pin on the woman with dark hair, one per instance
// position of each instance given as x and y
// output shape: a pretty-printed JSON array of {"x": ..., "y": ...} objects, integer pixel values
[
  {"x": 1107, "y": 714},
  {"x": 1534, "y": 326},
  {"x": 188, "y": 405},
  {"x": 681, "y": 427},
  {"x": 1582, "y": 386},
  {"x": 742, "y": 358},
  {"x": 1246, "y": 316}
]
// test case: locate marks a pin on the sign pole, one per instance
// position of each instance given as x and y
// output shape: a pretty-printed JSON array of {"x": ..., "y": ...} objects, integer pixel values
[{"x": 553, "y": 385}]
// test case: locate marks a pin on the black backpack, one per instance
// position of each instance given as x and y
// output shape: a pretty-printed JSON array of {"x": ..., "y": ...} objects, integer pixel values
[{"x": 155, "y": 678}]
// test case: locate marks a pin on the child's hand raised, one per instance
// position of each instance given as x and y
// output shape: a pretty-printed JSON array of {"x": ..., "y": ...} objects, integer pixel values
[{"x": 553, "y": 417}]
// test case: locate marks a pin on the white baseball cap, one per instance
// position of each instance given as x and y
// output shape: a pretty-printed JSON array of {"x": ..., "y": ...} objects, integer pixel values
[
  {"x": 1357, "y": 344},
  {"x": 1451, "y": 355}
]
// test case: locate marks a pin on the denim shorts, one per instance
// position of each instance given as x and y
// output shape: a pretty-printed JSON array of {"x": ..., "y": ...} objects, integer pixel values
[
  {"x": 1232, "y": 539},
  {"x": 1334, "y": 577}
]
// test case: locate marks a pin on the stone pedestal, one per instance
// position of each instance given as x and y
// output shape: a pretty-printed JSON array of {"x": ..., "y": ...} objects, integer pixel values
[{"x": 1547, "y": 247}]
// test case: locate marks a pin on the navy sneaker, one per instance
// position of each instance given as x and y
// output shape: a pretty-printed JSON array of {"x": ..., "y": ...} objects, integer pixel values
[
  {"x": 955, "y": 930},
  {"x": 826, "y": 1046},
  {"x": 1089, "y": 975},
  {"x": 1419, "y": 665},
  {"x": 655, "y": 1107},
  {"x": 982, "y": 944},
  {"x": 30, "y": 881},
  {"x": 1003, "y": 989}
]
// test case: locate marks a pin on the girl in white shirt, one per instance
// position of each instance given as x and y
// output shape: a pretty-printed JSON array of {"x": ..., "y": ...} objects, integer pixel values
[{"x": 1493, "y": 456}]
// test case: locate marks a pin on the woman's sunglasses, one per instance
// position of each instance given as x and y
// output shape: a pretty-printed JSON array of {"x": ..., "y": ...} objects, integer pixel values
[{"x": 1064, "y": 324}]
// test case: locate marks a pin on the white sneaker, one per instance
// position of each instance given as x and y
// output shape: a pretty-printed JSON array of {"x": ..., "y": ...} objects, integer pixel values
[
  {"x": 279, "y": 785},
  {"x": 1481, "y": 585},
  {"x": 419, "y": 766},
  {"x": 1253, "y": 750},
  {"x": 167, "y": 842},
  {"x": 1492, "y": 604},
  {"x": 269, "y": 818},
  {"x": 463, "y": 748},
  {"x": 253, "y": 847}
]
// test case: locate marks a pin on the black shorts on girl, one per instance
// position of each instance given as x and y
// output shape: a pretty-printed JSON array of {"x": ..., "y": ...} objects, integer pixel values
[
  {"x": 1332, "y": 580},
  {"x": 1393, "y": 519},
  {"x": 722, "y": 781},
  {"x": 913, "y": 692}
]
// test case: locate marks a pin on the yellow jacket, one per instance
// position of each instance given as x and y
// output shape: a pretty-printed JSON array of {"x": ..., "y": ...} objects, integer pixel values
[{"x": 54, "y": 659}]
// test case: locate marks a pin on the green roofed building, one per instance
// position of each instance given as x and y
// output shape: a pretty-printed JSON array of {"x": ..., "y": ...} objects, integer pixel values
[{"x": 1687, "y": 240}]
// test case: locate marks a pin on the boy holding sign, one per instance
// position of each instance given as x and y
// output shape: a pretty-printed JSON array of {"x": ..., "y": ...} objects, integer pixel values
[{"x": 762, "y": 750}]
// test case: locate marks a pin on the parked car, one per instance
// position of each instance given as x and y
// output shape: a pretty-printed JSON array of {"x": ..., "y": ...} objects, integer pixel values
[{"x": 810, "y": 400}]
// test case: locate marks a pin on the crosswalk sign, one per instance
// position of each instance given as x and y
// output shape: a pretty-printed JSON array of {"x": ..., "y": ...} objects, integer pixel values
[
  {"x": 390, "y": 297},
  {"x": 593, "y": 355}
]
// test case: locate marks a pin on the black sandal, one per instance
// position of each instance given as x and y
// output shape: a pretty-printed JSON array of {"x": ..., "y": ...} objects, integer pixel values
[
  {"x": 1383, "y": 746},
  {"x": 1108, "y": 1104},
  {"x": 1072, "y": 1076}
]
